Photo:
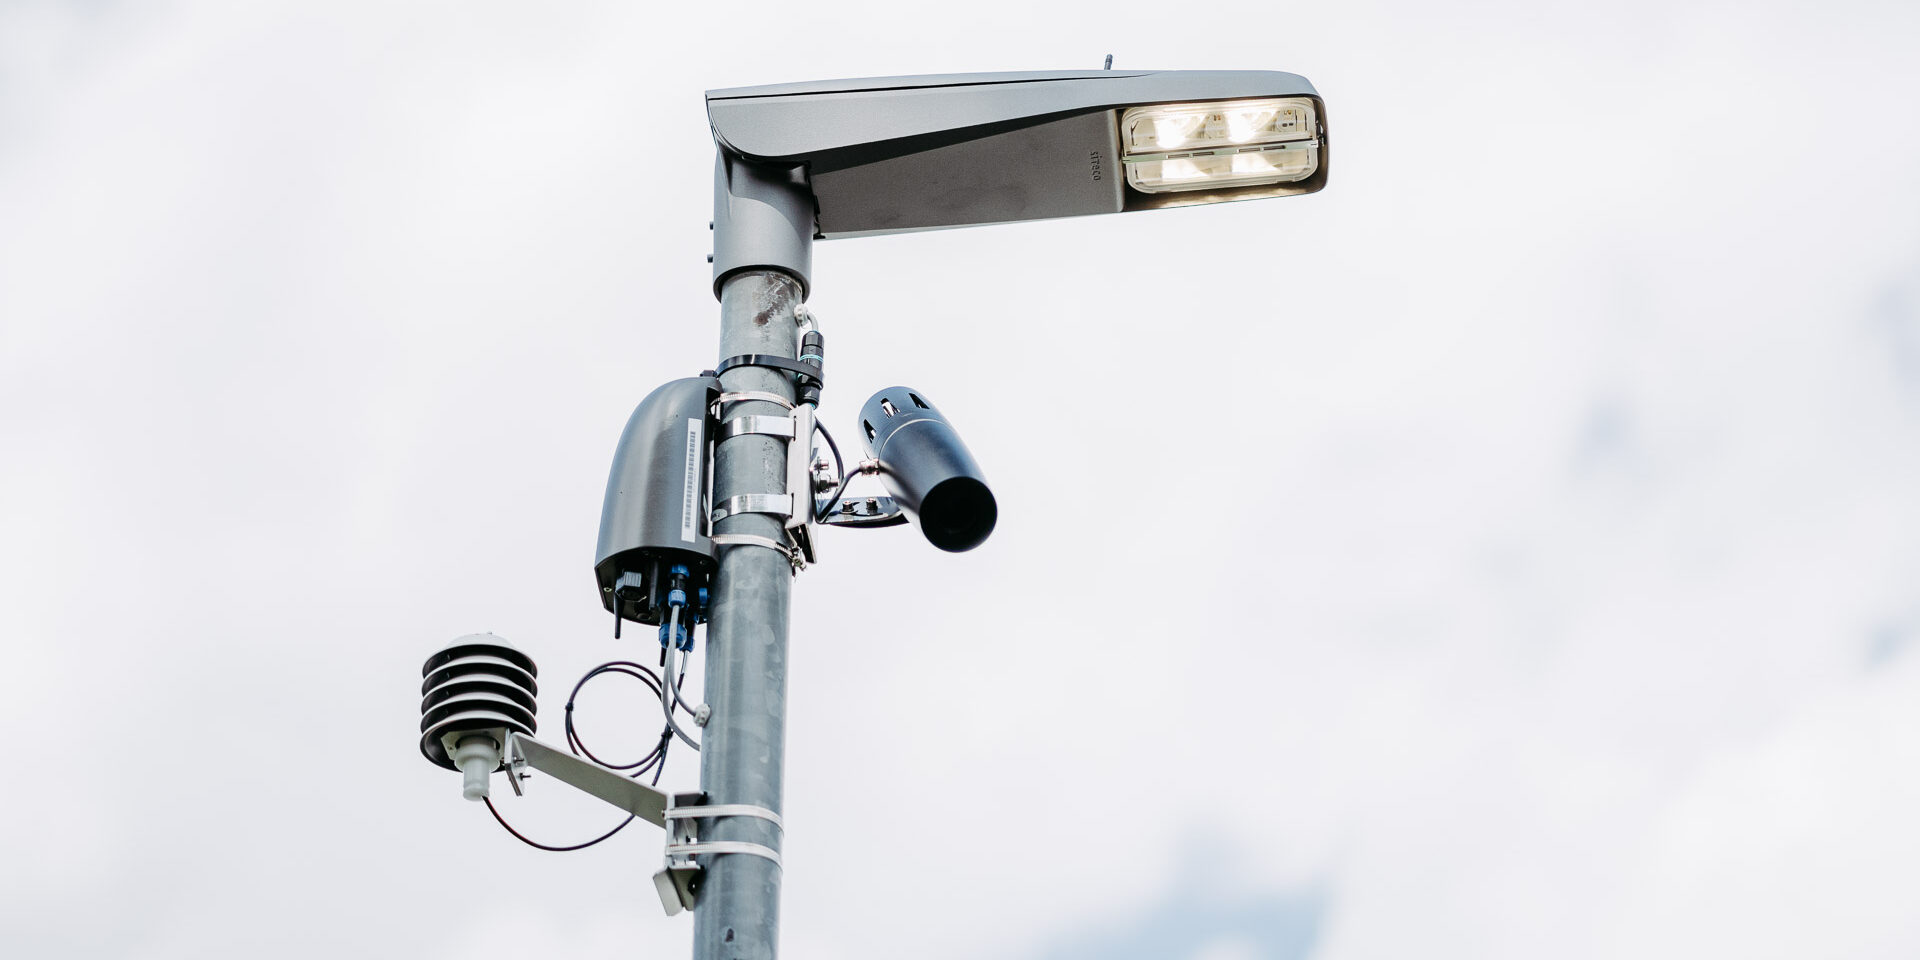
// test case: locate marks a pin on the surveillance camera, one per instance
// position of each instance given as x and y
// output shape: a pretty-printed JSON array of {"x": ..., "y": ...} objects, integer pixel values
[{"x": 928, "y": 469}]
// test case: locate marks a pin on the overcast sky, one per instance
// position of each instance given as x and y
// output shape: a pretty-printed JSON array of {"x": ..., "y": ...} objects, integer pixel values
[{"x": 1512, "y": 551}]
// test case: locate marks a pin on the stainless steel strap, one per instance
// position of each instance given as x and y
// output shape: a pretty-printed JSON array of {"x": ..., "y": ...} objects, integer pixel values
[
  {"x": 776, "y": 504},
  {"x": 755, "y": 540},
  {"x": 712, "y": 847},
  {"x": 725, "y": 810},
  {"x": 760, "y": 395},
  {"x": 766, "y": 426}
]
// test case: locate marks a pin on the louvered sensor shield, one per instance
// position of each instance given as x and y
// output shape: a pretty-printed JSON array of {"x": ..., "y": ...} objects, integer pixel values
[{"x": 474, "y": 693}]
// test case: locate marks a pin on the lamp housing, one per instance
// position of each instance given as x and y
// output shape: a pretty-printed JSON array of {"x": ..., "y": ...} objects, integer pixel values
[{"x": 902, "y": 154}]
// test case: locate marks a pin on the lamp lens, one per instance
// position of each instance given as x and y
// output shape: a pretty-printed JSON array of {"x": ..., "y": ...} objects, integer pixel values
[{"x": 1207, "y": 146}]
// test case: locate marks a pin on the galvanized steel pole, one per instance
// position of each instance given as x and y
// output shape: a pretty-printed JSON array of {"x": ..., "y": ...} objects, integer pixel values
[{"x": 763, "y": 231}]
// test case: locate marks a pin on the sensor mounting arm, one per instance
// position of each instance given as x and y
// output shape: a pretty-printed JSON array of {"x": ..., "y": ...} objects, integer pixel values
[{"x": 632, "y": 796}]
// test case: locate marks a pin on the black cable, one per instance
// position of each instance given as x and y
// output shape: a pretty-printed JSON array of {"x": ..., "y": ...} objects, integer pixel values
[
  {"x": 666, "y": 740},
  {"x": 542, "y": 846},
  {"x": 625, "y": 668},
  {"x": 574, "y": 741},
  {"x": 655, "y": 760},
  {"x": 833, "y": 504},
  {"x": 840, "y": 467}
]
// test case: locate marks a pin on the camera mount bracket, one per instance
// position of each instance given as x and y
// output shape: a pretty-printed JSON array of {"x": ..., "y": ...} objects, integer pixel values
[
  {"x": 795, "y": 507},
  {"x": 860, "y": 512}
]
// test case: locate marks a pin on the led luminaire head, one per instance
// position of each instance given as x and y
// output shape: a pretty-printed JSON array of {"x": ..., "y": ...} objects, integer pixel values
[
  {"x": 901, "y": 154},
  {"x": 1207, "y": 146}
]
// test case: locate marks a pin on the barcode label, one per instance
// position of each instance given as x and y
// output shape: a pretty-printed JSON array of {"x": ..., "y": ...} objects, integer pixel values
[{"x": 690, "y": 491}]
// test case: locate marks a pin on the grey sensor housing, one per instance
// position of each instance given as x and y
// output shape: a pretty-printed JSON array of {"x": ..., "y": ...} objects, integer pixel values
[
  {"x": 655, "y": 514},
  {"x": 929, "y": 471}
]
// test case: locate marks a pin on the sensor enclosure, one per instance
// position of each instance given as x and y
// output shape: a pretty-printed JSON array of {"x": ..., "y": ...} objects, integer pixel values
[
  {"x": 928, "y": 469},
  {"x": 655, "y": 515}
]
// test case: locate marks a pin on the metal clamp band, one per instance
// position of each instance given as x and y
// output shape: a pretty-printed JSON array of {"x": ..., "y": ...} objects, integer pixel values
[
  {"x": 760, "y": 395},
  {"x": 726, "y": 810},
  {"x": 712, "y": 847},
  {"x": 755, "y": 540},
  {"x": 769, "y": 426},
  {"x": 777, "y": 504},
  {"x": 804, "y": 371}
]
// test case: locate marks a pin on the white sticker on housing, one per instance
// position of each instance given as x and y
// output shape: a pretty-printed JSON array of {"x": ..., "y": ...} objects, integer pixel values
[{"x": 690, "y": 487}]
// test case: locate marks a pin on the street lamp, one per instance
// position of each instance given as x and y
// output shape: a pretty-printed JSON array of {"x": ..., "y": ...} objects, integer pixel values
[
  {"x": 848, "y": 158},
  {"x": 714, "y": 494}
]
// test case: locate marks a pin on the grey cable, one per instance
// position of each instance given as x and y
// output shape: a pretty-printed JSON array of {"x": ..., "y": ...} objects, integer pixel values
[{"x": 670, "y": 690}]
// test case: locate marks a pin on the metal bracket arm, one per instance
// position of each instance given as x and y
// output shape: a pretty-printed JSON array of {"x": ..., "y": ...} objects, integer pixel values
[{"x": 612, "y": 786}]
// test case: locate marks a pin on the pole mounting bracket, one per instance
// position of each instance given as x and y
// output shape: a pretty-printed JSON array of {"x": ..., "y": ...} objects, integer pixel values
[
  {"x": 795, "y": 507},
  {"x": 678, "y": 883},
  {"x": 680, "y": 813}
]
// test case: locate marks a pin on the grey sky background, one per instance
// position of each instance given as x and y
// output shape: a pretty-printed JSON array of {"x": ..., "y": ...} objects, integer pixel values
[{"x": 1510, "y": 552}]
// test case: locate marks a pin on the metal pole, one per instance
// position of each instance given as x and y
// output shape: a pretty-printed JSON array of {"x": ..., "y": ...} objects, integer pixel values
[{"x": 762, "y": 240}]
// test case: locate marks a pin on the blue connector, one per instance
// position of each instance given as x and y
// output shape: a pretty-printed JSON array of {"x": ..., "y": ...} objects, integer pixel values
[
  {"x": 677, "y": 599},
  {"x": 684, "y": 641}
]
